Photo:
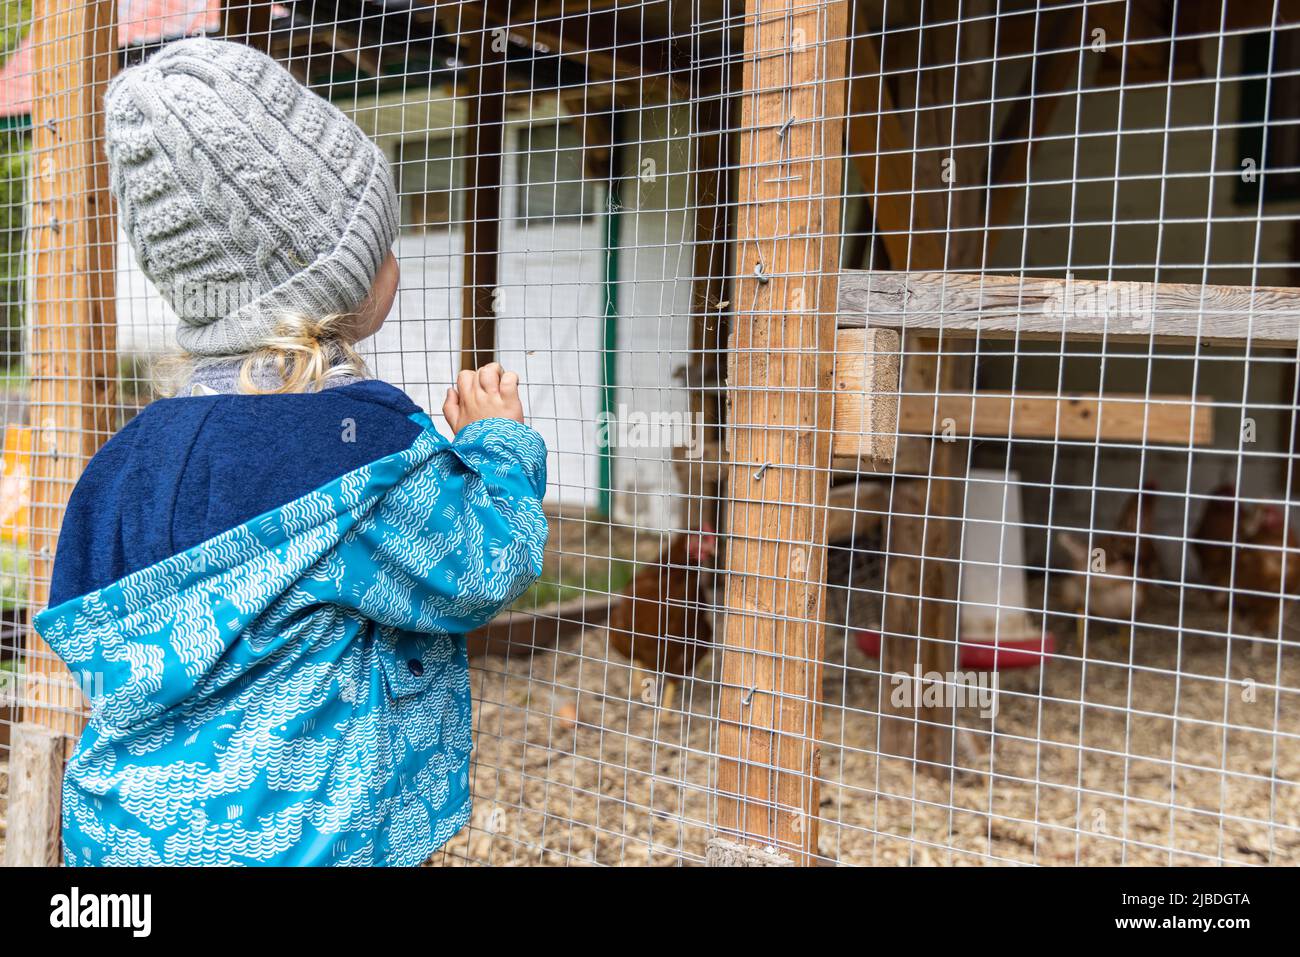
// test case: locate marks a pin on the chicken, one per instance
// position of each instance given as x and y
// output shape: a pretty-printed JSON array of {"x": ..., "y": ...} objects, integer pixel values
[
  {"x": 1102, "y": 587},
  {"x": 1218, "y": 525},
  {"x": 1261, "y": 570},
  {"x": 1131, "y": 541},
  {"x": 662, "y": 623},
  {"x": 1114, "y": 575}
]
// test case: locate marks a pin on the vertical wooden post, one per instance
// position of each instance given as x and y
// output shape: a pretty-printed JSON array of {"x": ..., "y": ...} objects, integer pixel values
[
  {"x": 32, "y": 838},
  {"x": 920, "y": 612},
  {"x": 920, "y": 607},
  {"x": 710, "y": 292},
  {"x": 72, "y": 349},
  {"x": 484, "y": 139},
  {"x": 780, "y": 367}
]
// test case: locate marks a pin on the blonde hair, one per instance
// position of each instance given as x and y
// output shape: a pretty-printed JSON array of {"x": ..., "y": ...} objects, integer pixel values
[{"x": 303, "y": 353}]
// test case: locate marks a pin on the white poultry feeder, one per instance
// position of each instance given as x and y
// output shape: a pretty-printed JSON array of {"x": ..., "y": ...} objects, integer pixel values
[{"x": 994, "y": 628}]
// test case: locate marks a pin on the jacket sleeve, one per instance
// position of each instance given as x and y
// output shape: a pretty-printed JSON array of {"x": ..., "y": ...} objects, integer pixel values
[{"x": 458, "y": 539}]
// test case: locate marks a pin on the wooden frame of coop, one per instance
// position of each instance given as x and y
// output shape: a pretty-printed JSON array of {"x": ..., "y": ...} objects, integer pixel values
[{"x": 827, "y": 369}]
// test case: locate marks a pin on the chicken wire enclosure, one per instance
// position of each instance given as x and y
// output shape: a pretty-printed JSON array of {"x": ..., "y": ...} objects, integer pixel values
[{"x": 918, "y": 381}]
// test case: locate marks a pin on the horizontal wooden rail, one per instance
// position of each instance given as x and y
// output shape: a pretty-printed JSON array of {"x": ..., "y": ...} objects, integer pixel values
[
  {"x": 1033, "y": 308},
  {"x": 869, "y": 413},
  {"x": 1160, "y": 419}
]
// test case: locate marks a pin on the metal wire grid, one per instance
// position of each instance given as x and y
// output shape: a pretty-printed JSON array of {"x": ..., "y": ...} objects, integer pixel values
[
  {"x": 12, "y": 413},
  {"x": 1113, "y": 751}
]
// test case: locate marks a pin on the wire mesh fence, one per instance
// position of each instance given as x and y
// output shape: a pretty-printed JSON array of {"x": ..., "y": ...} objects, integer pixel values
[{"x": 918, "y": 381}]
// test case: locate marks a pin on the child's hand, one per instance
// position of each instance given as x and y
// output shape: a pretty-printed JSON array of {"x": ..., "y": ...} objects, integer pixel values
[{"x": 490, "y": 393}]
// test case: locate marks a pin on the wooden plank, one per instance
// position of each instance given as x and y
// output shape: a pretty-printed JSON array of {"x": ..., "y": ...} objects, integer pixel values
[
  {"x": 72, "y": 341},
  {"x": 32, "y": 837},
  {"x": 484, "y": 141},
  {"x": 780, "y": 366},
  {"x": 1033, "y": 308},
  {"x": 869, "y": 415},
  {"x": 1155, "y": 419},
  {"x": 866, "y": 393}
]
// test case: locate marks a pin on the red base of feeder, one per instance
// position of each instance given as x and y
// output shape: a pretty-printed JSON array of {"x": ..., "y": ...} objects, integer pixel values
[
  {"x": 868, "y": 642},
  {"x": 984, "y": 656},
  {"x": 987, "y": 656}
]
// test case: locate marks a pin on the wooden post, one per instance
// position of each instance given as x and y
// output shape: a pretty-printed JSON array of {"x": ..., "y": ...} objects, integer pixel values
[
  {"x": 72, "y": 350},
  {"x": 920, "y": 611},
  {"x": 710, "y": 309},
  {"x": 484, "y": 139},
  {"x": 32, "y": 838},
  {"x": 779, "y": 368},
  {"x": 922, "y": 540},
  {"x": 248, "y": 21}
]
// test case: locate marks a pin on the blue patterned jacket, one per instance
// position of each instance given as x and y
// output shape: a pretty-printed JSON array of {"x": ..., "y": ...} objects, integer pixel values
[{"x": 294, "y": 689}]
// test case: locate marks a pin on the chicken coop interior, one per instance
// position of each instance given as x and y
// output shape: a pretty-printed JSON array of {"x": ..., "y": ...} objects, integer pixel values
[{"x": 919, "y": 386}]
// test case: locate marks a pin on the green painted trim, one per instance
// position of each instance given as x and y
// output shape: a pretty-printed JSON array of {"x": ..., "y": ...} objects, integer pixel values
[{"x": 609, "y": 354}]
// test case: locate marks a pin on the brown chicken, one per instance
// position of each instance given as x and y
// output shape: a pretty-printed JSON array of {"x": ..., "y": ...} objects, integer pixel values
[
  {"x": 662, "y": 623},
  {"x": 1261, "y": 570},
  {"x": 1114, "y": 585},
  {"x": 1131, "y": 541}
]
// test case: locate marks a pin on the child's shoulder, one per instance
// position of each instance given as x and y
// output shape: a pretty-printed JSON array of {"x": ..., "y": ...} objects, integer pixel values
[
  {"x": 188, "y": 468},
  {"x": 313, "y": 437},
  {"x": 376, "y": 392},
  {"x": 374, "y": 399}
]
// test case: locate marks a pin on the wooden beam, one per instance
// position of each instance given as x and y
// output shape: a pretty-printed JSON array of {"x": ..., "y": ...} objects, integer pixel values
[
  {"x": 906, "y": 219},
  {"x": 1031, "y": 308},
  {"x": 1139, "y": 38},
  {"x": 710, "y": 186},
  {"x": 1155, "y": 419},
  {"x": 866, "y": 394},
  {"x": 612, "y": 52},
  {"x": 352, "y": 48},
  {"x": 869, "y": 413},
  {"x": 921, "y": 563},
  {"x": 248, "y": 21},
  {"x": 780, "y": 367},
  {"x": 555, "y": 8},
  {"x": 921, "y": 542},
  {"x": 33, "y": 832},
  {"x": 1053, "y": 75},
  {"x": 1019, "y": 32},
  {"x": 73, "y": 335},
  {"x": 484, "y": 142}
]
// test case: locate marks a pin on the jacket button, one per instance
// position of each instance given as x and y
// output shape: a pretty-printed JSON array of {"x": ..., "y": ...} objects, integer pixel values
[{"x": 415, "y": 666}]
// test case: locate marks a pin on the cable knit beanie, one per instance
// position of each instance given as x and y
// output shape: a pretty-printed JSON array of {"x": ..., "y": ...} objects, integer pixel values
[{"x": 245, "y": 196}]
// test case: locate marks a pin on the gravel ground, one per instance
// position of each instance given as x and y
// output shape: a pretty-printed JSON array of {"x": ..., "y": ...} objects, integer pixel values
[{"x": 1137, "y": 752}]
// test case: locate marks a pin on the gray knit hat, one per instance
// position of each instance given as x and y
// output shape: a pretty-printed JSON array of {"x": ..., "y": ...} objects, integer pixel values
[{"x": 245, "y": 195}]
